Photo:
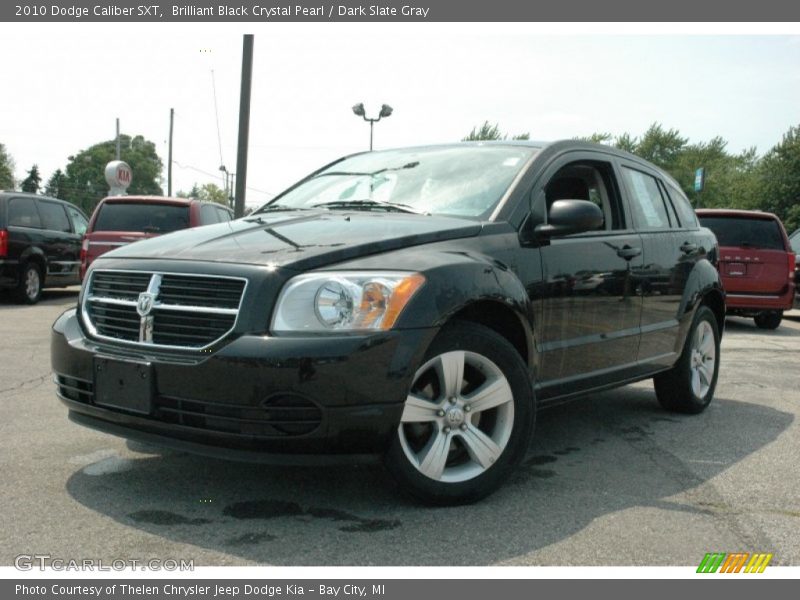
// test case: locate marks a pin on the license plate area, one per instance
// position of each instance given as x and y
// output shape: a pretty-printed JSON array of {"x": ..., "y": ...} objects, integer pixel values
[
  {"x": 737, "y": 269},
  {"x": 123, "y": 385}
]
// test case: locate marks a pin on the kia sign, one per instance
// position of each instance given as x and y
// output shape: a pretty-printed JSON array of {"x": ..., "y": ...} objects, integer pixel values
[{"x": 118, "y": 176}]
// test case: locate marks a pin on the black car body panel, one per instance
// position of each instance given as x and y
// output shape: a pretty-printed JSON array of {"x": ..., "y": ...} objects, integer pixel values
[
  {"x": 301, "y": 240},
  {"x": 586, "y": 312}
]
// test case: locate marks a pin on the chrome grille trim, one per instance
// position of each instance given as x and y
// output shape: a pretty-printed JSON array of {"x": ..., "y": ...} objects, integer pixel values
[{"x": 153, "y": 337}]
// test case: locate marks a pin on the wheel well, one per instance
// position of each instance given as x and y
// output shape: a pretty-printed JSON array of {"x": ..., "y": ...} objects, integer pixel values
[
  {"x": 39, "y": 261},
  {"x": 500, "y": 318},
  {"x": 715, "y": 302}
]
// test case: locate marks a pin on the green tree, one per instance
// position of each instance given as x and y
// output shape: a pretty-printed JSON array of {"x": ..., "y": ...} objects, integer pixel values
[
  {"x": 56, "y": 185},
  {"x": 6, "y": 169},
  {"x": 661, "y": 147},
  {"x": 32, "y": 182},
  {"x": 85, "y": 171},
  {"x": 489, "y": 132},
  {"x": 731, "y": 179},
  {"x": 208, "y": 192},
  {"x": 779, "y": 179}
]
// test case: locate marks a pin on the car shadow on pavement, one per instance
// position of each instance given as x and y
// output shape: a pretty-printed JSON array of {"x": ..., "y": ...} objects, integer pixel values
[{"x": 590, "y": 458}]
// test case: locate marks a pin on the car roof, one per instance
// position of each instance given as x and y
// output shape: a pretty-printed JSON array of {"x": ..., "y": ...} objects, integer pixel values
[
  {"x": 735, "y": 212},
  {"x": 550, "y": 147},
  {"x": 8, "y": 193},
  {"x": 150, "y": 199}
]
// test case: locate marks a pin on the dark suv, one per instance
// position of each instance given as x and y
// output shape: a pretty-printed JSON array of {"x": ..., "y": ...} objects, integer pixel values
[
  {"x": 416, "y": 304},
  {"x": 40, "y": 244}
]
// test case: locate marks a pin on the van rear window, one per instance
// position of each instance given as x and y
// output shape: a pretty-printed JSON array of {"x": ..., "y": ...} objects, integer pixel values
[
  {"x": 146, "y": 217},
  {"x": 745, "y": 233}
]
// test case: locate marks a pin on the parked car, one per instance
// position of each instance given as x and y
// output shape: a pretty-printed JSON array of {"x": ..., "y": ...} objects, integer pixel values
[
  {"x": 40, "y": 243},
  {"x": 416, "y": 304},
  {"x": 756, "y": 262},
  {"x": 120, "y": 220},
  {"x": 794, "y": 240}
]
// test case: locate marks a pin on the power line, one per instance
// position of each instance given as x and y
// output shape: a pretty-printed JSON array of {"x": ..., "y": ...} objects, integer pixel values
[
  {"x": 215, "y": 176},
  {"x": 216, "y": 116}
]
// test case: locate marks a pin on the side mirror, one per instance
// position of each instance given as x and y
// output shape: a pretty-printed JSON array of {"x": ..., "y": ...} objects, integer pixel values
[{"x": 566, "y": 217}]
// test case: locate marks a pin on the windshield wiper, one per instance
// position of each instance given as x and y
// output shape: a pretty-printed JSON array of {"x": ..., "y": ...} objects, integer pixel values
[
  {"x": 367, "y": 204},
  {"x": 274, "y": 207}
]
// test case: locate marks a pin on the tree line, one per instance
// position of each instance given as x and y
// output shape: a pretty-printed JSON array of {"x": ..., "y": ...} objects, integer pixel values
[
  {"x": 732, "y": 179},
  {"x": 82, "y": 181}
]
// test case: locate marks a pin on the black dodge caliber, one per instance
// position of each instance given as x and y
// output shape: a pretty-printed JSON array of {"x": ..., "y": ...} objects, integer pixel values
[{"x": 417, "y": 305}]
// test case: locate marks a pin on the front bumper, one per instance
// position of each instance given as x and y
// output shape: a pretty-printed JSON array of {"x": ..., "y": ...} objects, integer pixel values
[{"x": 271, "y": 399}]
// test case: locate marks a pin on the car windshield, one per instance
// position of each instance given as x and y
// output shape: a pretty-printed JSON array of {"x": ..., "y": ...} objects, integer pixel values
[
  {"x": 463, "y": 181},
  {"x": 147, "y": 217},
  {"x": 745, "y": 232}
]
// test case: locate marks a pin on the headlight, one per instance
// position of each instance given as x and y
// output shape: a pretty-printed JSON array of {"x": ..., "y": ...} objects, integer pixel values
[{"x": 344, "y": 301}]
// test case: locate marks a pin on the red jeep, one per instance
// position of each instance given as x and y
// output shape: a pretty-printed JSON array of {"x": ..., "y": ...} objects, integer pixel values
[
  {"x": 120, "y": 220},
  {"x": 756, "y": 263}
]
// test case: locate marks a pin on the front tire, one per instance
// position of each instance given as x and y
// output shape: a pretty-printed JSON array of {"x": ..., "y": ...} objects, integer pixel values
[
  {"x": 689, "y": 386},
  {"x": 29, "y": 289},
  {"x": 468, "y": 418},
  {"x": 769, "y": 319}
]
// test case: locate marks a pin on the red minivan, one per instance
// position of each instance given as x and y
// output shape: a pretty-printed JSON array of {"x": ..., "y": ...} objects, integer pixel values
[
  {"x": 120, "y": 220},
  {"x": 756, "y": 263}
]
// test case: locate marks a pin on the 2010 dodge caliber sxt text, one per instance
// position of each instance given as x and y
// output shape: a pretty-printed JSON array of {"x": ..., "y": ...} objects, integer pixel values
[{"x": 415, "y": 304}]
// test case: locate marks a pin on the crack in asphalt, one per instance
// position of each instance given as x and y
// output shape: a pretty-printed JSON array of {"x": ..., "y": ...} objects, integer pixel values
[
  {"x": 37, "y": 381},
  {"x": 679, "y": 471}
]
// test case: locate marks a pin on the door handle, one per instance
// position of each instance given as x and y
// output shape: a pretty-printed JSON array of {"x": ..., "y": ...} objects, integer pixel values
[
  {"x": 688, "y": 247},
  {"x": 627, "y": 252}
]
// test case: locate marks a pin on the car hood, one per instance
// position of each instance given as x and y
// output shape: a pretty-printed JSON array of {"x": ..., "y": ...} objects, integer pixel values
[{"x": 300, "y": 240}]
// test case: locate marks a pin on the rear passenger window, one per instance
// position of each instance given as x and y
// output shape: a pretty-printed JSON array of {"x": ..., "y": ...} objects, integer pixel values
[
  {"x": 22, "y": 213},
  {"x": 647, "y": 205},
  {"x": 54, "y": 217},
  {"x": 683, "y": 206},
  {"x": 79, "y": 222}
]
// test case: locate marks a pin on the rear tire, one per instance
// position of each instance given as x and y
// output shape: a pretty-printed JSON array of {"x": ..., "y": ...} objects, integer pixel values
[
  {"x": 468, "y": 418},
  {"x": 689, "y": 386},
  {"x": 769, "y": 319},
  {"x": 29, "y": 288}
]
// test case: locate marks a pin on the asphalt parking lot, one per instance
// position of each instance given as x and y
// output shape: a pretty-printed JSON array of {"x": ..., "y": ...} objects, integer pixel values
[{"x": 609, "y": 480}]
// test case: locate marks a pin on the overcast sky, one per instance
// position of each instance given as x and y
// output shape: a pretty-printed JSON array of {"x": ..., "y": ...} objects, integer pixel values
[{"x": 63, "y": 87}]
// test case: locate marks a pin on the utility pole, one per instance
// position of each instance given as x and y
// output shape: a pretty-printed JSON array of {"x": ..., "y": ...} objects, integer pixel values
[
  {"x": 244, "y": 124},
  {"x": 169, "y": 160},
  {"x": 117, "y": 138}
]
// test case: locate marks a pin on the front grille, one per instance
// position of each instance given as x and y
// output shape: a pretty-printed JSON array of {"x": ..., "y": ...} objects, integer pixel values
[
  {"x": 72, "y": 388},
  {"x": 201, "y": 291},
  {"x": 284, "y": 415},
  {"x": 185, "y": 311},
  {"x": 123, "y": 286}
]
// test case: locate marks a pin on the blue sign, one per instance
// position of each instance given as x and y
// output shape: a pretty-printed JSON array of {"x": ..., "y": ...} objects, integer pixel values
[{"x": 699, "y": 179}]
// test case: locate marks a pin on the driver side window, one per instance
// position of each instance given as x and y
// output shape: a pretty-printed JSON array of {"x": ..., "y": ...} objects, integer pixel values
[{"x": 587, "y": 180}]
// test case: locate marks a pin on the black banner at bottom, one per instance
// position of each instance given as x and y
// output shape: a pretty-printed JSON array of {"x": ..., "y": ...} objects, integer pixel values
[{"x": 394, "y": 589}]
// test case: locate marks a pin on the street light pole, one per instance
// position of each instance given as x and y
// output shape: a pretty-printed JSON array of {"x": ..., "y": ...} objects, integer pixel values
[{"x": 359, "y": 111}]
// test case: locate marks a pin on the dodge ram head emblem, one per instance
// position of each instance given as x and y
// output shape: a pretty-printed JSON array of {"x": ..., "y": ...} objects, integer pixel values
[{"x": 145, "y": 304}]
